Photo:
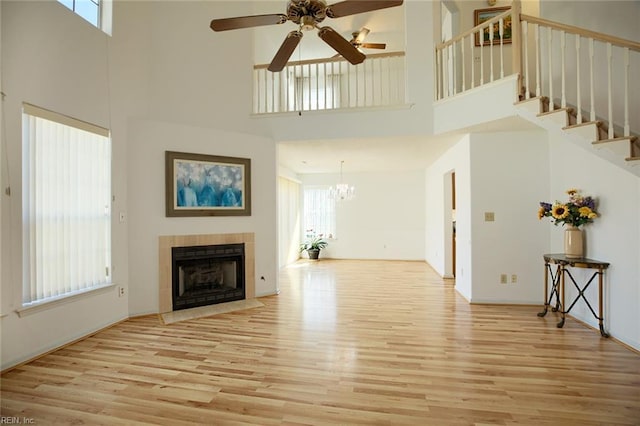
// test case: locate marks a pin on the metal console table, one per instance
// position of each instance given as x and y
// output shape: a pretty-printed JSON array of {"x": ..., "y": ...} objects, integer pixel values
[{"x": 561, "y": 263}]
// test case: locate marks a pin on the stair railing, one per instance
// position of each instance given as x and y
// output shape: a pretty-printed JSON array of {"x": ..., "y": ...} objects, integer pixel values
[
  {"x": 559, "y": 57},
  {"x": 478, "y": 56},
  {"x": 566, "y": 64},
  {"x": 332, "y": 83}
]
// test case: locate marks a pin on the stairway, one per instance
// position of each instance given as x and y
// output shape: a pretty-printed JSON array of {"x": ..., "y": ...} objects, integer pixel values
[{"x": 619, "y": 150}]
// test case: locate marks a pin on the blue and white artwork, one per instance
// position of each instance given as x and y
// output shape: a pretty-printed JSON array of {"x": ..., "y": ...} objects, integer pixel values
[{"x": 208, "y": 185}]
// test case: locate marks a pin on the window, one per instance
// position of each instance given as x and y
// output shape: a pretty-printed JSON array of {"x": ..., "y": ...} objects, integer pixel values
[
  {"x": 88, "y": 9},
  {"x": 66, "y": 205},
  {"x": 319, "y": 212},
  {"x": 96, "y": 12}
]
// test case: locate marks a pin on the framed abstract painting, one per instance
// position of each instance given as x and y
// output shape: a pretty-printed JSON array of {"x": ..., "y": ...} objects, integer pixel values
[{"x": 207, "y": 185}]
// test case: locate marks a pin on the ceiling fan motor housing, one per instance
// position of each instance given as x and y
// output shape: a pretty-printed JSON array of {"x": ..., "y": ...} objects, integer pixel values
[{"x": 307, "y": 13}]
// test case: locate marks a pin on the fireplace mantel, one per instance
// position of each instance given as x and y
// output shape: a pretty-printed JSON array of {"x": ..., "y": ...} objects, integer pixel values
[{"x": 167, "y": 242}]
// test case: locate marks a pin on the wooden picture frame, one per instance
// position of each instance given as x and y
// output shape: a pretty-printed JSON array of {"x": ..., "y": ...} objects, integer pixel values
[
  {"x": 207, "y": 185},
  {"x": 482, "y": 15}
]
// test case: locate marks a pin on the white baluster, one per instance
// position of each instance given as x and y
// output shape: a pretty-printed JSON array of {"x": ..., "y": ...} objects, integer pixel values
[
  {"x": 609, "y": 91},
  {"x": 373, "y": 81},
  {"x": 501, "y": 32},
  {"x": 538, "y": 69},
  {"x": 464, "y": 75},
  {"x": 627, "y": 129},
  {"x": 525, "y": 44},
  {"x": 491, "y": 50},
  {"x": 286, "y": 89},
  {"x": 438, "y": 74},
  {"x": 473, "y": 60},
  {"x": 481, "y": 38},
  {"x": 273, "y": 94},
  {"x": 592, "y": 107},
  {"x": 309, "y": 86},
  {"x": 348, "y": 85},
  {"x": 563, "y": 96},
  {"x": 454, "y": 66},
  {"x": 356, "y": 70},
  {"x": 578, "y": 94},
  {"x": 256, "y": 91},
  {"x": 550, "y": 40},
  {"x": 388, "y": 61},
  {"x": 324, "y": 85},
  {"x": 317, "y": 88}
]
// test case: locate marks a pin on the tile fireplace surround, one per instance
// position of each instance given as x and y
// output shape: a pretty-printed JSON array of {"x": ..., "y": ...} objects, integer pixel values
[{"x": 166, "y": 242}]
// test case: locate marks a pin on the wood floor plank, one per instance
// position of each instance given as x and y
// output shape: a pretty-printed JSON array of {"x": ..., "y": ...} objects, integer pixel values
[{"x": 345, "y": 342}]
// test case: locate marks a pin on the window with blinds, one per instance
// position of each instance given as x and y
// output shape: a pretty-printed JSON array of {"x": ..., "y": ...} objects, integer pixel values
[
  {"x": 66, "y": 206},
  {"x": 319, "y": 212}
]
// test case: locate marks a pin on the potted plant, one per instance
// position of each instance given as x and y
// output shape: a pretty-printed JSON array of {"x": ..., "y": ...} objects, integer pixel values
[{"x": 313, "y": 245}]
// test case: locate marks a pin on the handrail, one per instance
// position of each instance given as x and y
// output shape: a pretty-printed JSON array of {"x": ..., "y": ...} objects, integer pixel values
[
  {"x": 621, "y": 42},
  {"x": 329, "y": 60}
]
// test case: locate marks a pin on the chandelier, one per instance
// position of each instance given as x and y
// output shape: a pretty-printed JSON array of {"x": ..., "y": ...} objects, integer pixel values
[{"x": 341, "y": 191}]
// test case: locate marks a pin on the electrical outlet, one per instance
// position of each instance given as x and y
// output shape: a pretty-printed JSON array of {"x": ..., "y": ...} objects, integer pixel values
[
  {"x": 503, "y": 278},
  {"x": 120, "y": 291},
  {"x": 514, "y": 279},
  {"x": 489, "y": 216}
]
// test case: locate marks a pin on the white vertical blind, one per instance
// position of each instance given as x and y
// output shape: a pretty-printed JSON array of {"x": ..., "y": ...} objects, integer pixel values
[
  {"x": 67, "y": 216},
  {"x": 319, "y": 212},
  {"x": 288, "y": 221}
]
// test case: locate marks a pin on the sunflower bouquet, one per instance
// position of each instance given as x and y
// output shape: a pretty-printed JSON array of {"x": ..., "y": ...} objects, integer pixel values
[{"x": 577, "y": 211}]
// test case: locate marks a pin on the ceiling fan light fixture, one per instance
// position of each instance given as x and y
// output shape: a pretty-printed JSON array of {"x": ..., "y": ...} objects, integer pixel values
[{"x": 307, "y": 23}]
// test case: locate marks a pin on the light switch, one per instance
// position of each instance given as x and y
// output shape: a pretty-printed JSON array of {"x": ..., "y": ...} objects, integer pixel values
[{"x": 489, "y": 216}]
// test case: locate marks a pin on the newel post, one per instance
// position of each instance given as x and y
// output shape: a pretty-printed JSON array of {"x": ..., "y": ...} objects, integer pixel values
[{"x": 516, "y": 43}]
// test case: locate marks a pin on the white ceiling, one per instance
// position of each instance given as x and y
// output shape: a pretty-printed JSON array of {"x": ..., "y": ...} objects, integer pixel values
[
  {"x": 362, "y": 155},
  {"x": 381, "y": 154}
]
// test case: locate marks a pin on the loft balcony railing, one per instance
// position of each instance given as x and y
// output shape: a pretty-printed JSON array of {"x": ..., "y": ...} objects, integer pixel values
[
  {"x": 573, "y": 67},
  {"x": 329, "y": 84}
]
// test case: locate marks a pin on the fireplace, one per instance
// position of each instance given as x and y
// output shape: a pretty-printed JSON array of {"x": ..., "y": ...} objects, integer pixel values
[{"x": 206, "y": 275}]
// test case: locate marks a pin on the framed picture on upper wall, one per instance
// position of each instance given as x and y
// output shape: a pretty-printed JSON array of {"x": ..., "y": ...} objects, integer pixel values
[
  {"x": 207, "y": 185},
  {"x": 482, "y": 15}
]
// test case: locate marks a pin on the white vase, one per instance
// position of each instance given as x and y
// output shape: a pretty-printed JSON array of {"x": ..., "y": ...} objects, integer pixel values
[{"x": 573, "y": 242}]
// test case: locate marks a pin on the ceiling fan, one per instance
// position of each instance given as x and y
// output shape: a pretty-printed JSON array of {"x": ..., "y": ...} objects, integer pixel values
[
  {"x": 358, "y": 40},
  {"x": 308, "y": 14}
]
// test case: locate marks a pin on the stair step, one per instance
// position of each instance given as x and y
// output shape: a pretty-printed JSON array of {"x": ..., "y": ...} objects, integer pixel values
[
  {"x": 620, "y": 146},
  {"x": 535, "y": 105},
  {"x": 559, "y": 116},
  {"x": 588, "y": 130}
]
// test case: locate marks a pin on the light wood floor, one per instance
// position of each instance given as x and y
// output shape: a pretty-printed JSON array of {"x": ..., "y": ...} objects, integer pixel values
[{"x": 346, "y": 342}]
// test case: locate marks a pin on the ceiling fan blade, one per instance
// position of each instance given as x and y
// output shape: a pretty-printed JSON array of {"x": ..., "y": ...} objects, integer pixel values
[
  {"x": 341, "y": 45},
  {"x": 351, "y": 7},
  {"x": 247, "y": 22},
  {"x": 286, "y": 50},
  {"x": 374, "y": 45},
  {"x": 361, "y": 35}
]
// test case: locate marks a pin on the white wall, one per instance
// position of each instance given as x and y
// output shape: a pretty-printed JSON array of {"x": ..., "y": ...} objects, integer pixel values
[
  {"x": 157, "y": 85},
  {"x": 613, "y": 237},
  {"x": 456, "y": 159},
  {"x": 148, "y": 141},
  {"x": 509, "y": 177},
  {"x": 385, "y": 220},
  {"x": 54, "y": 60}
]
